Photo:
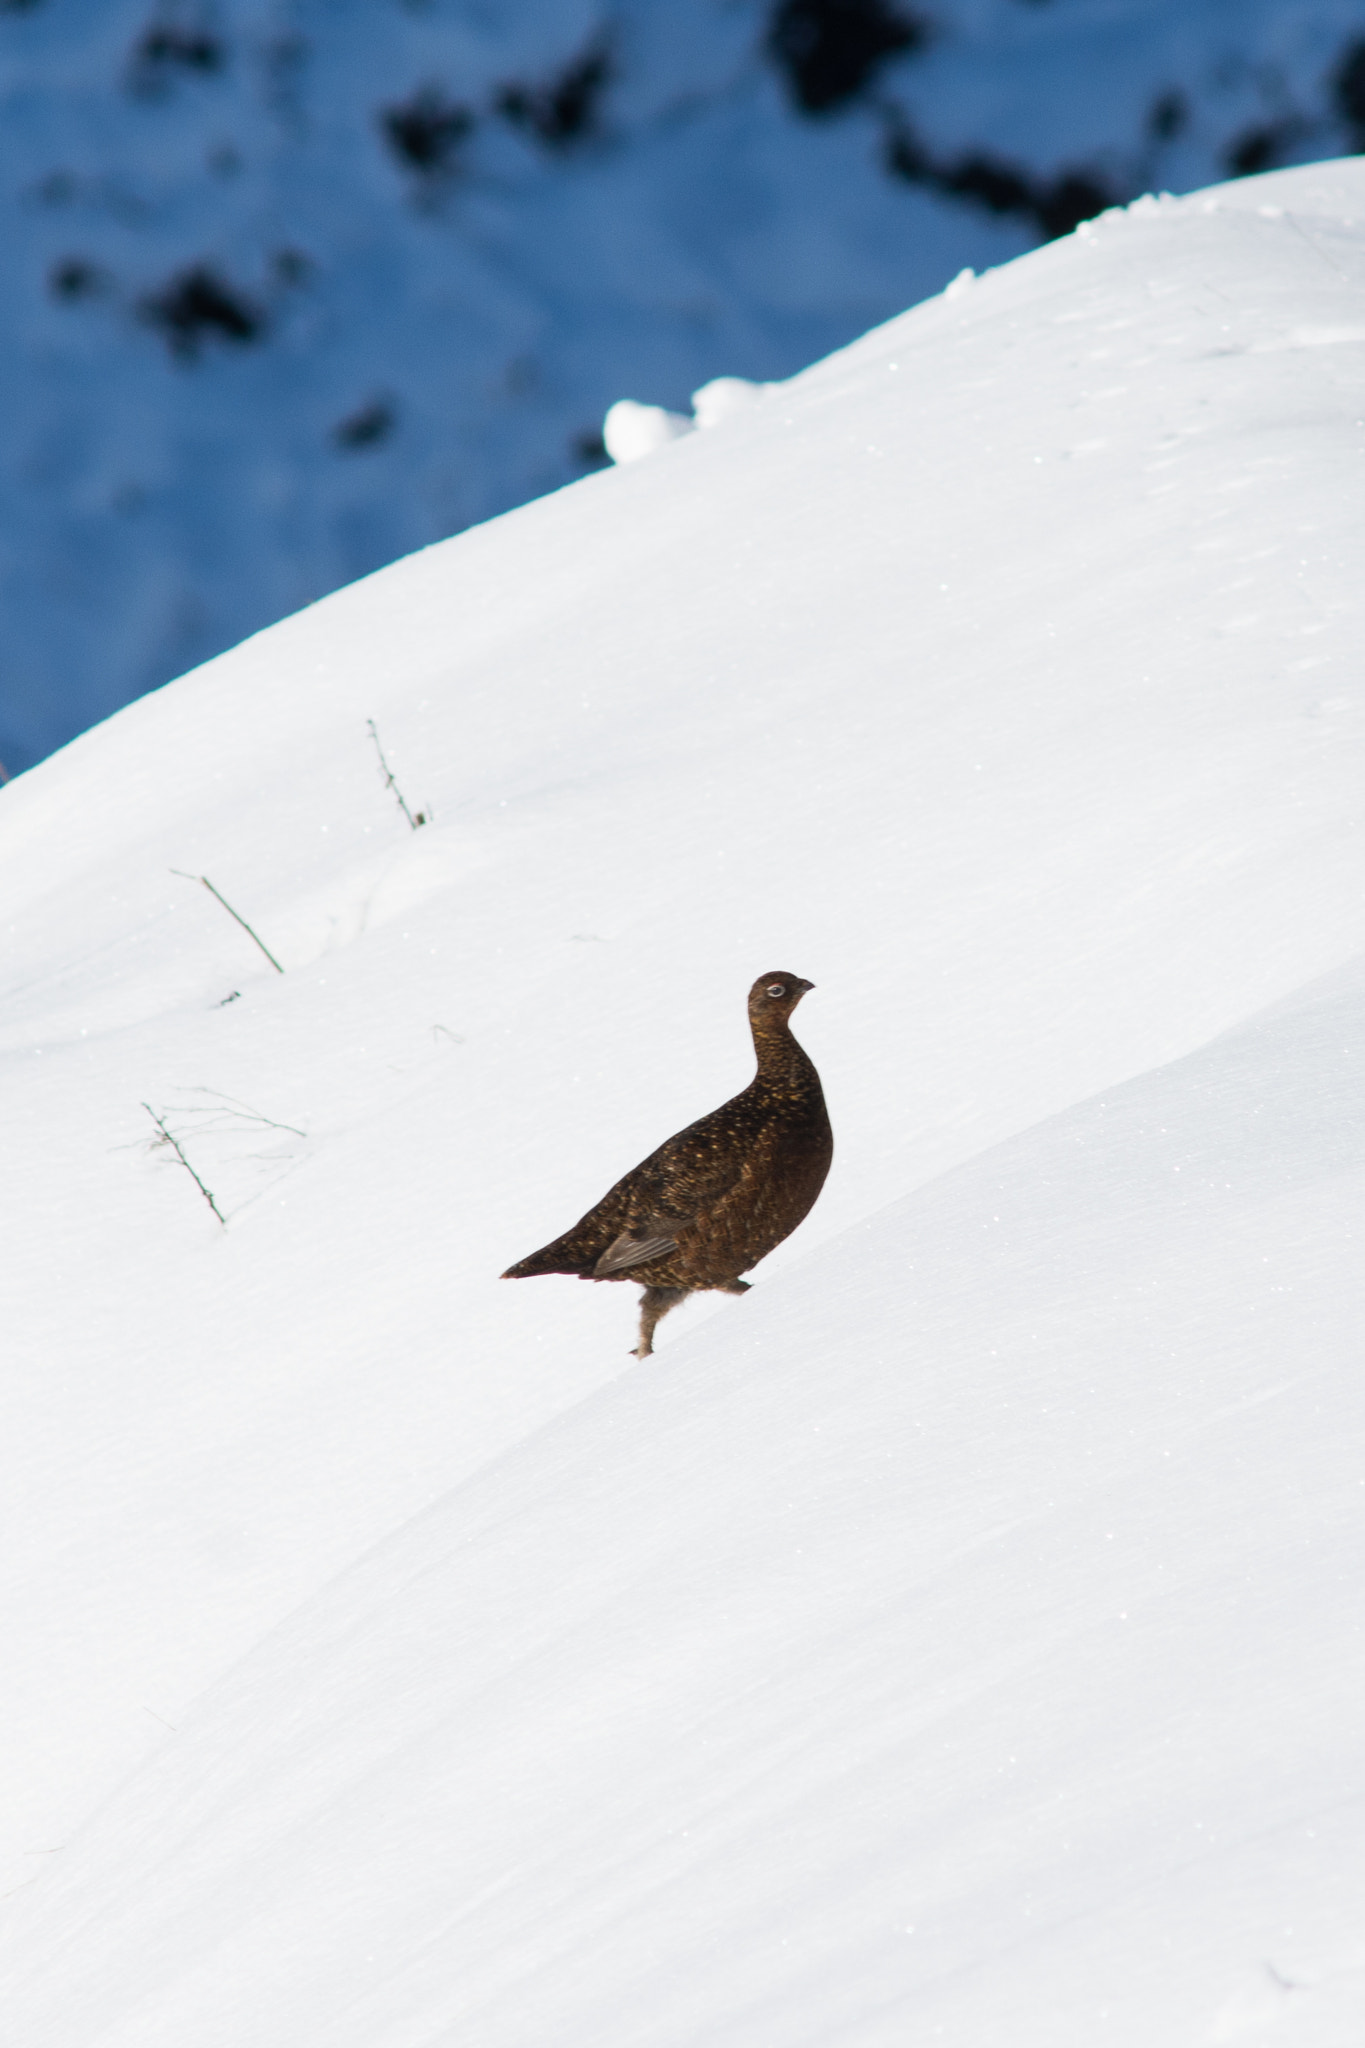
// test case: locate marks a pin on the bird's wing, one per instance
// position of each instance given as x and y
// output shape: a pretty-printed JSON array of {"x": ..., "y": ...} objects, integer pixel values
[
  {"x": 632, "y": 1248},
  {"x": 644, "y": 1215}
]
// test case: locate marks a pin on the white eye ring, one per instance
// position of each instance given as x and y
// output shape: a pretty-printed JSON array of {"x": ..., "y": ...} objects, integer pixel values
[{"x": 777, "y": 988}]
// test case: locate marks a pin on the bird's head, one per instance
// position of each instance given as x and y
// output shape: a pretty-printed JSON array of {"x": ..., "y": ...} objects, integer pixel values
[{"x": 773, "y": 997}]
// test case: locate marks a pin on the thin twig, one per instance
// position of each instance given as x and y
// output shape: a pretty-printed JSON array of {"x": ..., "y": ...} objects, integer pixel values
[
  {"x": 238, "y": 1109},
  {"x": 5, "y": 775},
  {"x": 390, "y": 781},
  {"x": 174, "y": 1144},
  {"x": 231, "y": 913}
]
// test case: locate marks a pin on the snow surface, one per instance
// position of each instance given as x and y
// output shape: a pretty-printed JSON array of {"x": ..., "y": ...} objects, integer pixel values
[
  {"x": 959, "y": 1638},
  {"x": 392, "y": 345}
]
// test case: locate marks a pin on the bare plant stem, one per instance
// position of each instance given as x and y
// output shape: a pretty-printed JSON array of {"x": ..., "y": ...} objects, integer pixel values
[
  {"x": 174, "y": 1144},
  {"x": 4, "y": 773},
  {"x": 390, "y": 782},
  {"x": 231, "y": 913},
  {"x": 244, "y": 1110}
]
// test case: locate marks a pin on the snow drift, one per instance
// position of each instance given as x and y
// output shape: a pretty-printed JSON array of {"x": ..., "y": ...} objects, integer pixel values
[{"x": 956, "y": 1639}]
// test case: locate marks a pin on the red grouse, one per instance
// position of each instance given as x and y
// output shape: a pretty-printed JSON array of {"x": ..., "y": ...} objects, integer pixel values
[{"x": 714, "y": 1200}]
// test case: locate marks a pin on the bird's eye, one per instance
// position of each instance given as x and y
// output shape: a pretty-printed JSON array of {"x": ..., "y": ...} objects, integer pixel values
[{"x": 776, "y": 988}]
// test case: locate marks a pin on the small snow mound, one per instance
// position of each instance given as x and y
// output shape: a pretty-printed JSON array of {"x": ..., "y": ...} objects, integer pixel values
[
  {"x": 631, "y": 431},
  {"x": 723, "y": 397},
  {"x": 963, "y": 282}
]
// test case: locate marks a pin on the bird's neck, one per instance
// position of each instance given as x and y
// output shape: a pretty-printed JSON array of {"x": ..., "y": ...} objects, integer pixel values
[{"x": 780, "y": 1058}]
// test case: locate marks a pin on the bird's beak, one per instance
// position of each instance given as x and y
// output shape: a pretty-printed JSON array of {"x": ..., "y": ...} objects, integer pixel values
[{"x": 806, "y": 985}]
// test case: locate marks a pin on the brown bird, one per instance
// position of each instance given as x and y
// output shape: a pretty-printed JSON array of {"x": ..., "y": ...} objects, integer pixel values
[{"x": 714, "y": 1200}]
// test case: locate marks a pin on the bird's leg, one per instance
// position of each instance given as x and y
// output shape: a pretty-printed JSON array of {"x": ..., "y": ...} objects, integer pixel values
[{"x": 654, "y": 1303}]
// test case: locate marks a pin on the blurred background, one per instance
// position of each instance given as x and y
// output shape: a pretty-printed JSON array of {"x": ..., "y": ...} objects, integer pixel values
[{"x": 291, "y": 287}]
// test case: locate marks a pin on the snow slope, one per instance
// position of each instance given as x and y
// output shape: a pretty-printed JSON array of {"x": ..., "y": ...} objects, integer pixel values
[
  {"x": 292, "y": 287},
  {"x": 957, "y": 1638},
  {"x": 964, "y": 1648}
]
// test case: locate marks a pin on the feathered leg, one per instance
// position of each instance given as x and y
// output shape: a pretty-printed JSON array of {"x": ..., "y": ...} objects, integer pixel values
[{"x": 655, "y": 1303}]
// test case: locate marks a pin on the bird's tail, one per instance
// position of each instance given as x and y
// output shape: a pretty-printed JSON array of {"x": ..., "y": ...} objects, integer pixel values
[{"x": 551, "y": 1258}]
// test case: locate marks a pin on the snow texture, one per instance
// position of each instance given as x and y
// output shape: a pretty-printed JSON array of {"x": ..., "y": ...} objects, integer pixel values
[{"x": 957, "y": 1639}]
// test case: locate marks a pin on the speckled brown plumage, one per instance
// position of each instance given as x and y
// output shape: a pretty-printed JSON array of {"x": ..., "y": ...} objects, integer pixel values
[{"x": 715, "y": 1199}]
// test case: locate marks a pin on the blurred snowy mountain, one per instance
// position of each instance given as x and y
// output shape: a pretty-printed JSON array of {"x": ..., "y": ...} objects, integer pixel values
[{"x": 294, "y": 288}]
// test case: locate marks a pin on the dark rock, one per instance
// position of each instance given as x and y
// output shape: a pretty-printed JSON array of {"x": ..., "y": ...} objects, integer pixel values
[
  {"x": 564, "y": 109},
  {"x": 1067, "y": 201},
  {"x": 1169, "y": 116},
  {"x": 1348, "y": 92},
  {"x": 426, "y": 131},
  {"x": 1054, "y": 205},
  {"x": 1255, "y": 150},
  {"x": 76, "y": 278},
  {"x": 366, "y": 428},
  {"x": 829, "y": 51},
  {"x": 591, "y": 450},
  {"x": 197, "y": 303},
  {"x": 165, "y": 51}
]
